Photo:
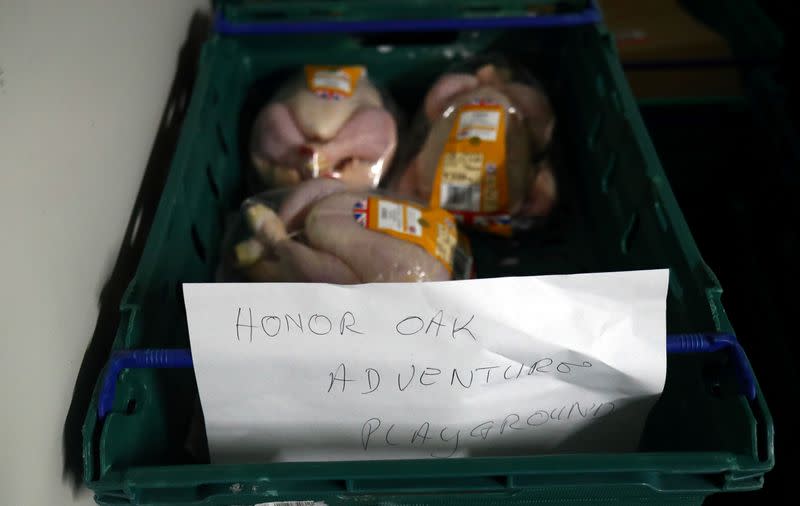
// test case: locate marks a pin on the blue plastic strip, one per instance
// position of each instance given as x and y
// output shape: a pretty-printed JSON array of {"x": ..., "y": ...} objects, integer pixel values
[
  {"x": 590, "y": 15},
  {"x": 182, "y": 358},
  {"x": 137, "y": 359},
  {"x": 709, "y": 343}
]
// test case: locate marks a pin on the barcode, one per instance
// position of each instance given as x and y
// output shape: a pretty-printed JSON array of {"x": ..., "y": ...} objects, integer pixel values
[{"x": 461, "y": 197}]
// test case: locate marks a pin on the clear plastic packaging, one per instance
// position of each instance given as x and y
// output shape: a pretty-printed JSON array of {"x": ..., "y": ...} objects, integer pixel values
[
  {"x": 324, "y": 121},
  {"x": 322, "y": 231},
  {"x": 482, "y": 151}
]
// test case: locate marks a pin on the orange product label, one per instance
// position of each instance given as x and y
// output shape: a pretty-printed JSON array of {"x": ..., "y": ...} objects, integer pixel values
[
  {"x": 331, "y": 81},
  {"x": 435, "y": 230},
  {"x": 471, "y": 175}
]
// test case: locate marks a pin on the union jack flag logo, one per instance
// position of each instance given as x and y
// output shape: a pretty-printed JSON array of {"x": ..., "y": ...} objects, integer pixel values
[
  {"x": 361, "y": 212},
  {"x": 328, "y": 95}
]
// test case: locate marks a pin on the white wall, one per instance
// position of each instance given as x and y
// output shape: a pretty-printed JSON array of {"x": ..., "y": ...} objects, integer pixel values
[{"x": 82, "y": 88}]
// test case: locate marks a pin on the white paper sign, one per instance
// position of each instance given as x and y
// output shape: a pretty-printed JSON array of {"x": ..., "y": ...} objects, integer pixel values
[{"x": 504, "y": 366}]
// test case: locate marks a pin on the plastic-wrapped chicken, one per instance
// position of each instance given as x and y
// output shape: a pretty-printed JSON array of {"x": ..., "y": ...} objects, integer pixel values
[
  {"x": 322, "y": 231},
  {"x": 330, "y": 121},
  {"x": 484, "y": 151}
]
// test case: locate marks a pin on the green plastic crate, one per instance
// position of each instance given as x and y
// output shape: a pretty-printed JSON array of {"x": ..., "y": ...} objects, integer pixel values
[{"x": 617, "y": 212}]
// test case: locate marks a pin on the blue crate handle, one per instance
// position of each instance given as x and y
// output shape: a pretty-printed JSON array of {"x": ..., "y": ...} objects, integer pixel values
[
  {"x": 589, "y": 15},
  {"x": 137, "y": 359},
  {"x": 709, "y": 343},
  {"x": 182, "y": 359}
]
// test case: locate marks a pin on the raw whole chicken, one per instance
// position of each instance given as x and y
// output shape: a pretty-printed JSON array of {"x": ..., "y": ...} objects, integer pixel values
[
  {"x": 315, "y": 237},
  {"x": 306, "y": 133},
  {"x": 531, "y": 186}
]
